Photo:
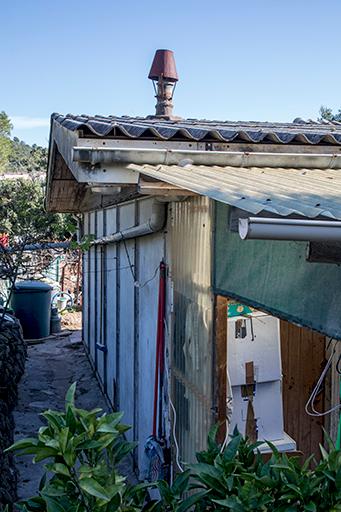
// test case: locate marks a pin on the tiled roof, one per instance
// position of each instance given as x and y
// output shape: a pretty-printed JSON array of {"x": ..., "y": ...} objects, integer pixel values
[{"x": 298, "y": 132}]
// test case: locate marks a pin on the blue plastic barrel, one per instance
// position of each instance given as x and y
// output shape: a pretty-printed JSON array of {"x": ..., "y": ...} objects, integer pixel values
[{"x": 31, "y": 303}]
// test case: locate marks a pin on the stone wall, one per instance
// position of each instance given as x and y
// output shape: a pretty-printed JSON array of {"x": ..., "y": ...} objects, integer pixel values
[{"x": 12, "y": 365}]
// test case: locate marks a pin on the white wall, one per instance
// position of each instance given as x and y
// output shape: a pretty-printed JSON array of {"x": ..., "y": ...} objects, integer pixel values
[{"x": 129, "y": 310}]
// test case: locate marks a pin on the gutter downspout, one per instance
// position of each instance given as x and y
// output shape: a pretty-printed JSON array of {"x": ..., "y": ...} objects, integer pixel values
[
  {"x": 141, "y": 156},
  {"x": 155, "y": 223},
  {"x": 265, "y": 228}
]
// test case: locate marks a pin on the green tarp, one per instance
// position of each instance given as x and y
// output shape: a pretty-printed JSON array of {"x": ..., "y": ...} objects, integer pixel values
[{"x": 275, "y": 276}]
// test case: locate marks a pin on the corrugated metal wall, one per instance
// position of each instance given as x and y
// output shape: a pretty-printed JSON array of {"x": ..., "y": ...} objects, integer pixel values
[
  {"x": 120, "y": 312},
  {"x": 121, "y": 283},
  {"x": 192, "y": 351}
]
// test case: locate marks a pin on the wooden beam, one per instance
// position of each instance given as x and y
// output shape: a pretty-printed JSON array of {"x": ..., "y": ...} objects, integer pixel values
[
  {"x": 160, "y": 188},
  {"x": 220, "y": 379}
]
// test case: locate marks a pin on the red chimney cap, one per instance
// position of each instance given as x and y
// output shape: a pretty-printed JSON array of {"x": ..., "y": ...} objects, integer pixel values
[{"x": 163, "y": 65}]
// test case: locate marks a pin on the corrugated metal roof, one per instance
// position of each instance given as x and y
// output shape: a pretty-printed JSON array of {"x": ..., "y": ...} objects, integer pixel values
[
  {"x": 307, "y": 192},
  {"x": 298, "y": 132}
]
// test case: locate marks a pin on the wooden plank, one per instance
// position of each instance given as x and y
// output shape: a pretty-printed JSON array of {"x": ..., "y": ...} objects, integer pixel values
[
  {"x": 160, "y": 188},
  {"x": 220, "y": 380},
  {"x": 303, "y": 356}
]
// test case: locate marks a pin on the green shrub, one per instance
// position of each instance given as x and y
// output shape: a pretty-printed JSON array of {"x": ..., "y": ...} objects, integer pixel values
[
  {"x": 240, "y": 480},
  {"x": 84, "y": 448}
]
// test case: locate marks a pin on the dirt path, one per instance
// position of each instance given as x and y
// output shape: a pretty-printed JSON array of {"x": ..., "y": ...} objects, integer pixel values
[{"x": 50, "y": 369}]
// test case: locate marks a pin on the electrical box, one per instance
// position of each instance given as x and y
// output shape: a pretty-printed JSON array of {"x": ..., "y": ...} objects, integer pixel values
[{"x": 255, "y": 373}]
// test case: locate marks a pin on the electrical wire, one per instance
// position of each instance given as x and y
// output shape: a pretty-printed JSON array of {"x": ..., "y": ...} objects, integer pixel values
[
  {"x": 309, "y": 406},
  {"x": 128, "y": 257},
  {"x": 140, "y": 286},
  {"x": 177, "y": 450},
  {"x": 229, "y": 409}
]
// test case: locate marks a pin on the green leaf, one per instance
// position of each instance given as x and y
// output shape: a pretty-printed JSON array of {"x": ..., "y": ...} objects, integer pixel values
[
  {"x": 180, "y": 484},
  {"x": 188, "y": 503},
  {"x": 22, "y": 444},
  {"x": 58, "y": 468},
  {"x": 70, "y": 394},
  {"x": 44, "y": 453},
  {"x": 230, "y": 503},
  {"x": 63, "y": 438},
  {"x": 311, "y": 507},
  {"x": 90, "y": 486}
]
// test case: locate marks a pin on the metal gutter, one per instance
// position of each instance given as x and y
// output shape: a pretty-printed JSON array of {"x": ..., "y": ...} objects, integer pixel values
[
  {"x": 155, "y": 223},
  {"x": 262, "y": 228},
  {"x": 113, "y": 156}
]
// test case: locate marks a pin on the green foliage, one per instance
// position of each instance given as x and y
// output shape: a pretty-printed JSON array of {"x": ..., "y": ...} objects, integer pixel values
[
  {"x": 23, "y": 216},
  {"x": 327, "y": 114},
  {"x": 24, "y": 158},
  {"x": 83, "y": 448},
  {"x": 5, "y": 142},
  {"x": 239, "y": 479}
]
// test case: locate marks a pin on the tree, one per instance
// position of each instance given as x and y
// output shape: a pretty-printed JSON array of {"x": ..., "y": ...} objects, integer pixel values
[
  {"x": 26, "y": 158},
  {"x": 5, "y": 142},
  {"x": 327, "y": 114}
]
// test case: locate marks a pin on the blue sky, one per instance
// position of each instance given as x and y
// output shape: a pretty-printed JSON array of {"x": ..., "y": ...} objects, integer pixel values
[{"x": 238, "y": 60}]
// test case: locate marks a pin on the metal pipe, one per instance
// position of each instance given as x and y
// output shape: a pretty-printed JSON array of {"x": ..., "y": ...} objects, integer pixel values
[
  {"x": 262, "y": 228},
  {"x": 154, "y": 224},
  {"x": 94, "y": 156}
]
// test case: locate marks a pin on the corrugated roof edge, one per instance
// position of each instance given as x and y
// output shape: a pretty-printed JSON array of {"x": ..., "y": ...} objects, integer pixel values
[{"x": 298, "y": 132}]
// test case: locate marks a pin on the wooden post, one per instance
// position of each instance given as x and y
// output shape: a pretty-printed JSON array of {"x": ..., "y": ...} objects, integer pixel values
[{"x": 220, "y": 379}]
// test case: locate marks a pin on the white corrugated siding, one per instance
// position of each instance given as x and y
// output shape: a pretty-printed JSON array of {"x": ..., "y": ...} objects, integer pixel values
[
  {"x": 92, "y": 290},
  {"x": 85, "y": 285},
  {"x": 127, "y": 368},
  {"x": 279, "y": 190},
  {"x": 129, "y": 314},
  {"x": 192, "y": 351},
  {"x": 99, "y": 290}
]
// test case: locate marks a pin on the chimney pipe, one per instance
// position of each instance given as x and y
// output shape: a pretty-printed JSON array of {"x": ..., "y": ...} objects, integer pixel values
[{"x": 164, "y": 76}]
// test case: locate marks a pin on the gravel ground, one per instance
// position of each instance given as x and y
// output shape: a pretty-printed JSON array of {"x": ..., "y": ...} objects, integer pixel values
[{"x": 50, "y": 369}]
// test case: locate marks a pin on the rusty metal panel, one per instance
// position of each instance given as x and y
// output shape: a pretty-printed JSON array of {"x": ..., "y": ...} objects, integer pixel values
[{"x": 190, "y": 227}]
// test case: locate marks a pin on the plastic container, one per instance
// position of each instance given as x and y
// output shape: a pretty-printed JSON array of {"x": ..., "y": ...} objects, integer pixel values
[
  {"x": 31, "y": 303},
  {"x": 56, "y": 321}
]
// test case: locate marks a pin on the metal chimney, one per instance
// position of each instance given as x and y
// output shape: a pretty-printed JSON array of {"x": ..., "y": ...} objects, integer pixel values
[{"x": 164, "y": 76}]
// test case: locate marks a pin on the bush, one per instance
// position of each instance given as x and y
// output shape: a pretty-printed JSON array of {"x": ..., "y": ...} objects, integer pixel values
[
  {"x": 84, "y": 449},
  {"x": 12, "y": 364}
]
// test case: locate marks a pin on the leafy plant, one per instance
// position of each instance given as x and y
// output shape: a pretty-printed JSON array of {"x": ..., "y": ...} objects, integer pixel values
[
  {"x": 240, "y": 479},
  {"x": 83, "y": 449}
]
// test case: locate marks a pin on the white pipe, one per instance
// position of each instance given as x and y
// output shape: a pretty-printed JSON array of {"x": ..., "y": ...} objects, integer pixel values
[
  {"x": 262, "y": 228},
  {"x": 141, "y": 156},
  {"x": 154, "y": 224}
]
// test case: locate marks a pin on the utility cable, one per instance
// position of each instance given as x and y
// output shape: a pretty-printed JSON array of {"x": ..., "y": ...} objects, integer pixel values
[
  {"x": 177, "y": 450},
  {"x": 309, "y": 407}
]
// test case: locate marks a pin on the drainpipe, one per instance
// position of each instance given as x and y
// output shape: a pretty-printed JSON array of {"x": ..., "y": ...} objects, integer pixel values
[
  {"x": 264, "y": 228},
  {"x": 153, "y": 156},
  {"x": 155, "y": 223}
]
